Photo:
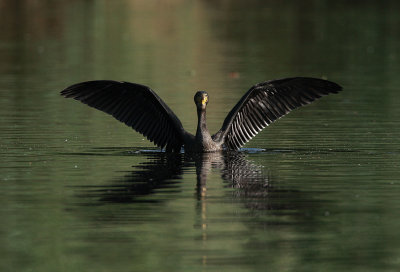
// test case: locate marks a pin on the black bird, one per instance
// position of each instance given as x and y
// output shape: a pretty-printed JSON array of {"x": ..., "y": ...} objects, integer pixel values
[{"x": 142, "y": 109}]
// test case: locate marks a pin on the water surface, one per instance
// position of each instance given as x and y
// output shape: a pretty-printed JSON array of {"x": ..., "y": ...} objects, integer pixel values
[{"x": 316, "y": 191}]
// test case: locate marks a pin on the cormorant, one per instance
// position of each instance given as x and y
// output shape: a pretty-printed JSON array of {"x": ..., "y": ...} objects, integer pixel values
[{"x": 141, "y": 108}]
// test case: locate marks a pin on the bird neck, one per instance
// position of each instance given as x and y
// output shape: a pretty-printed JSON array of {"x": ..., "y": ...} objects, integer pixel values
[{"x": 202, "y": 131}]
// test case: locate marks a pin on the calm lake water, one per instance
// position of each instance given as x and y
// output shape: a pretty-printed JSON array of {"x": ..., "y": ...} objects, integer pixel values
[{"x": 319, "y": 190}]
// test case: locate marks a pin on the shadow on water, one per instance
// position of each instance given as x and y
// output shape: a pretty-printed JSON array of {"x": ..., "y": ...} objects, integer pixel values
[{"x": 253, "y": 185}]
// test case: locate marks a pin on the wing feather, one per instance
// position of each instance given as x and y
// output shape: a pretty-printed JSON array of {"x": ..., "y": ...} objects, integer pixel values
[
  {"x": 266, "y": 102},
  {"x": 135, "y": 105}
]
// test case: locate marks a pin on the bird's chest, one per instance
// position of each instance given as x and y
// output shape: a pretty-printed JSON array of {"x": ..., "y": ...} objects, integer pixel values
[{"x": 206, "y": 143}]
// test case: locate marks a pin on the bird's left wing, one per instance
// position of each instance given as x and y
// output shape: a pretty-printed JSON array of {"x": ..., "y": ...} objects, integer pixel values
[
  {"x": 136, "y": 105},
  {"x": 266, "y": 102}
]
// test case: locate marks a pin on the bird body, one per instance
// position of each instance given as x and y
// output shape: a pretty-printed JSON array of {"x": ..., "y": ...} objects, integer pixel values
[{"x": 142, "y": 109}]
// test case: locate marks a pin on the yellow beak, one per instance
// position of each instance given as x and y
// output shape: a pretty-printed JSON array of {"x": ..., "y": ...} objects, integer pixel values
[{"x": 204, "y": 100}]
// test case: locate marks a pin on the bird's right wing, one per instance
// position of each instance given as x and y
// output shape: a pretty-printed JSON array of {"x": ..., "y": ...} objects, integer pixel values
[
  {"x": 135, "y": 105},
  {"x": 266, "y": 102}
]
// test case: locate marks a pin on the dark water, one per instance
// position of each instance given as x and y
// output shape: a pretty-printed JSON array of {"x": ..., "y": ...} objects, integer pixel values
[{"x": 316, "y": 191}]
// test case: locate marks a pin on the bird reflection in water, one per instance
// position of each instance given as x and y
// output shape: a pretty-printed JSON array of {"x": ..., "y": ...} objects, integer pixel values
[
  {"x": 163, "y": 170},
  {"x": 252, "y": 186},
  {"x": 235, "y": 169},
  {"x": 160, "y": 171}
]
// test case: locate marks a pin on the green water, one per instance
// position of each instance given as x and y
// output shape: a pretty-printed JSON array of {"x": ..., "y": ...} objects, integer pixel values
[{"x": 316, "y": 191}]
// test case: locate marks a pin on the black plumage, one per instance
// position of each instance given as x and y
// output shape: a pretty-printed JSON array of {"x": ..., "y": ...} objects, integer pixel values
[
  {"x": 266, "y": 102},
  {"x": 142, "y": 109},
  {"x": 133, "y": 104}
]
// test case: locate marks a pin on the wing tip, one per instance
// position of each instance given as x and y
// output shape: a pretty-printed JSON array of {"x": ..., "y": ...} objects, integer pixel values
[
  {"x": 74, "y": 90},
  {"x": 65, "y": 93},
  {"x": 333, "y": 87},
  {"x": 71, "y": 90}
]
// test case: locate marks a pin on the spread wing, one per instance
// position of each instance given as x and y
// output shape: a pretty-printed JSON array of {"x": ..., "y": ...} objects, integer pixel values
[
  {"x": 266, "y": 102},
  {"x": 135, "y": 105}
]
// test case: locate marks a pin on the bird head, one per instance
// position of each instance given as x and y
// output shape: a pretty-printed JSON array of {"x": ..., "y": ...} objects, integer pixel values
[{"x": 201, "y": 99}]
